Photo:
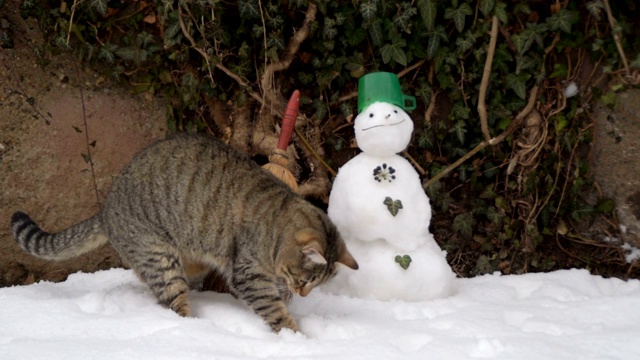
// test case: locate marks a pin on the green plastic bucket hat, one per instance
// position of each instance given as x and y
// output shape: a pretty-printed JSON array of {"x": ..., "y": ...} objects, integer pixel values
[{"x": 383, "y": 87}]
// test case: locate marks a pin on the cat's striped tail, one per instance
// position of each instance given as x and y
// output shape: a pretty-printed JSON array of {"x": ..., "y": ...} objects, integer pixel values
[{"x": 65, "y": 244}]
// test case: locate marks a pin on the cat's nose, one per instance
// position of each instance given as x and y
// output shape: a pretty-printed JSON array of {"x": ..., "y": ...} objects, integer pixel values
[{"x": 304, "y": 291}]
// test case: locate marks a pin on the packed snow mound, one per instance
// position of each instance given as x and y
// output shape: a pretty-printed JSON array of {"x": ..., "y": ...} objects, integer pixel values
[{"x": 112, "y": 315}]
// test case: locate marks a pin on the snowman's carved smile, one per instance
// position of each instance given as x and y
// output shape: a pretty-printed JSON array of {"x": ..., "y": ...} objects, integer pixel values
[{"x": 375, "y": 126}]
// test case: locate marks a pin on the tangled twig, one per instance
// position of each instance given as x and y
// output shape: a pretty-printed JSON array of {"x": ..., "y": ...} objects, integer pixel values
[{"x": 86, "y": 138}]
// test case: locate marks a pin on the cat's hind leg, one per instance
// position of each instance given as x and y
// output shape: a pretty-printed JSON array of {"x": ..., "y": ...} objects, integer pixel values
[{"x": 161, "y": 267}]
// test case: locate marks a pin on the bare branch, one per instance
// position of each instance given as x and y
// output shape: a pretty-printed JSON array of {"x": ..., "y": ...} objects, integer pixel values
[
  {"x": 294, "y": 44},
  {"x": 515, "y": 124},
  {"x": 482, "y": 106},
  {"x": 616, "y": 38}
]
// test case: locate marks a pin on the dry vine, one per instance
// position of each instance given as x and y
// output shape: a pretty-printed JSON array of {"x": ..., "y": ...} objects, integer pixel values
[
  {"x": 482, "y": 106},
  {"x": 264, "y": 137}
]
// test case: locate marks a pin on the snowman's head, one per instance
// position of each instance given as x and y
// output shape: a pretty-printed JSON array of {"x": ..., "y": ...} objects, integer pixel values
[{"x": 383, "y": 129}]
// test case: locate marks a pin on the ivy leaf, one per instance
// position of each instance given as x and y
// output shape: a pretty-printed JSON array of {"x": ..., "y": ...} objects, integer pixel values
[
  {"x": 486, "y": 6},
  {"x": 559, "y": 71},
  {"x": 459, "y": 129},
  {"x": 106, "y": 53},
  {"x": 605, "y": 206},
  {"x": 394, "y": 51},
  {"x": 595, "y": 7},
  {"x": 249, "y": 9},
  {"x": 189, "y": 88},
  {"x": 635, "y": 63},
  {"x": 424, "y": 91},
  {"x": 581, "y": 211},
  {"x": 464, "y": 43},
  {"x": 522, "y": 42},
  {"x": 321, "y": 109},
  {"x": 275, "y": 21},
  {"x": 173, "y": 29},
  {"x": 494, "y": 215},
  {"x": 403, "y": 19},
  {"x": 501, "y": 12},
  {"x": 561, "y": 122},
  {"x": 393, "y": 205},
  {"x": 523, "y": 8},
  {"x": 375, "y": 32},
  {"x": 132, "y": 53},
  {"x": 517, "y": 83},
  {"x": 305, "y": 78},
  {"x": 460, "y": 111},
  {"x": 368, "y": 10},
  {"x": 458, "y": 15},
  {"x": 488, "y": 193},
  {"x": 463, "y": 224},
  {"x": 562, "y": 20},
  {"x": 99, "y": 6},
  {"x": 355, "y": 65},
  {"x": 355, "y": 36},
  {"x": 144, "y": 39},
  {"x": 434, "y": 41},
  {"x": 404, "y": 261},
  {"x": 428, "y": 10},
  {"x": 329, "y": 31},
  {"x": 525, "y": 63},
  {"x": 276, "y": 42}
]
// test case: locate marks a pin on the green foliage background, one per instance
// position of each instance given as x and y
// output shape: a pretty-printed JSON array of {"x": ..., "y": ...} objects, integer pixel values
[{"x": 492, "y": 212}]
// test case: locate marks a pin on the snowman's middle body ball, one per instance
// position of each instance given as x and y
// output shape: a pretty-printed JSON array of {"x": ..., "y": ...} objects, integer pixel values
[{"x": 357, "y": 202}]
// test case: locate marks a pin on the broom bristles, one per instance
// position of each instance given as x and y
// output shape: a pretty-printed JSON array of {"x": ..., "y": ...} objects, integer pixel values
[{"x": 283, "y": 174}]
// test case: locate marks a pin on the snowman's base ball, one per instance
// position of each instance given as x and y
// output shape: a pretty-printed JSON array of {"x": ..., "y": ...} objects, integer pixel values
[{"x": 380, "y": 277}]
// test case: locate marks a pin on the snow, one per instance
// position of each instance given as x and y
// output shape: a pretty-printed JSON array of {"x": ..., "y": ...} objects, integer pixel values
[
  {"x": 566, "y": 314},
  {"x": 632, "y": 253}
]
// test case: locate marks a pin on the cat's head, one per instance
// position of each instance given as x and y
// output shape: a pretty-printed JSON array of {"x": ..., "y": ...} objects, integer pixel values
[{"x": 311, "y": 259}]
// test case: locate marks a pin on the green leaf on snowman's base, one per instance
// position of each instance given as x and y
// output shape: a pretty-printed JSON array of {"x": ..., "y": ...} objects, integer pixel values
[
  {"x": 404, "y": 261},
  {"x": 393, "y": 205}
]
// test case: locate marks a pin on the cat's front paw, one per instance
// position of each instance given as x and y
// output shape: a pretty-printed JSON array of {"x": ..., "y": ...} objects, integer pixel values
[{"x": 286, "y": 323}]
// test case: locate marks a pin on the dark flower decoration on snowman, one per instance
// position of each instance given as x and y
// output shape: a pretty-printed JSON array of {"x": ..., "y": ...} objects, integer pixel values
[{"x": 384, "y": 172}]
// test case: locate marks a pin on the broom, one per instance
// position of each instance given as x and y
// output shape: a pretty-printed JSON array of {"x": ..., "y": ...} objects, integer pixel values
[{"x": 279, "y": 159}]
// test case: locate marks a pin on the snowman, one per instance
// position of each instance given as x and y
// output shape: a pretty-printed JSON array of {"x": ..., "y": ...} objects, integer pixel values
[{"x": 379, "y": 207}]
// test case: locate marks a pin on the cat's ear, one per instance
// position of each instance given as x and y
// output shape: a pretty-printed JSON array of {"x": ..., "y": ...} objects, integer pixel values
[
  {"x": 309, "y": 240},
  {"x": 312, "y": 253},
  {"x": 345, "y": 257}
]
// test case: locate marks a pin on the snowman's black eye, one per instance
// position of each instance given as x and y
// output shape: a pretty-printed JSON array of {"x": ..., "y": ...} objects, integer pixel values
[
  {"x": 370, "y": 115},
  {"x": 395, "y": 111}
]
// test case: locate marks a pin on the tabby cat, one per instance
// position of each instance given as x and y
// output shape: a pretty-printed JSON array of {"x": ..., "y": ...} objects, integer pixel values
[{"x": 190, "y": 204}]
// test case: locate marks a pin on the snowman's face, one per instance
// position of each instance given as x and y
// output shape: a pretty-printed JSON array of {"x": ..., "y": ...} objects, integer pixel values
[{"x": 383, "y": 129}]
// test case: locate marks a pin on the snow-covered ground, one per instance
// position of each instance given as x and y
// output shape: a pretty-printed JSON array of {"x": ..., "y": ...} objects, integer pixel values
[{"x": 111, "y": 315}]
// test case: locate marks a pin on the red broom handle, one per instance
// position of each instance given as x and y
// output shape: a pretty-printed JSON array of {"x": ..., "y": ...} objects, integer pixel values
[{"x": 289, "y": 120}]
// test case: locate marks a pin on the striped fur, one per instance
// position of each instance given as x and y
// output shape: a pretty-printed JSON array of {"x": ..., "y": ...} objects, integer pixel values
[{"x": 191, "y": 203}]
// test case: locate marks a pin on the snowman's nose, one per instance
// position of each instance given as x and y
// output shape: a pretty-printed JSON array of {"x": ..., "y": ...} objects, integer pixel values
[{"x": 388, "y": 116}]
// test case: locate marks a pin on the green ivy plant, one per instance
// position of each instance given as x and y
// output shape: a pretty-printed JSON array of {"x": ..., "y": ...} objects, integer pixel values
[{"x": 499, "y": 209}]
